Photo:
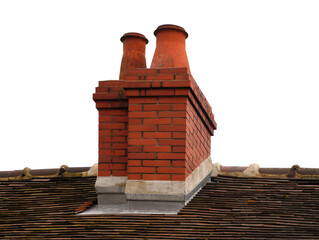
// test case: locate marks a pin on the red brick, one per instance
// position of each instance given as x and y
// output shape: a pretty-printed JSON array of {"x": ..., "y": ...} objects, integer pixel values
[
  {"x": 119, "y": 152},
  {"x": 157, "y": 121},
  {"x": 141, "y": 155},
  {"x": 104, "y": 145},
  {"x": 135, "y": 163},
  {"x": 111, "y": 83},
  {"x": 178, "y": 121},
  {"x": 179, "y": 134},
  {"x": 132, "y": 92},
  {"x": 173, "y": 70},
  {"x": 177, "y": 128},
  {"x": 109, "y": 96},
  {"x": 109, "y": 152},
  {"x": 156, "y": 84},
  {"x": 178, "y": 163},
  {"x": 112, "y": 166},
  {"x": 157, "y": 135},
  {"x": 157, "y": 163},
  {"x": 135, "y": 107},
  {"x": 172, "y": 100},
  {"x": 134, "y": 121},
  {"x": 120, "y": 132},
  {"x": 176, "y": 84},
  {"x": 135, "y": 84},
  {"x": 118, "y": 104},
  {"x": 122, "y": 159},
  {"x": 157, "y": 149},
  {"x": 142, "y": 92},
  {"x": 142, "y": 114},
  {"x": 141, "y": 169},
  {"x": 109, "y": 89},
  {"x": 142, "y": 100},
  {"x": 171, "y": 156},
  {"x": 182, "y": 77},
  {"x": 157, "y": 177},
  {"x": 108, "y": 139},
  {"x": 135, "y": 135},
  {"x": 105, "y": 159},
  {"x": 131, "y": 77},
  {"x": 134, "y": 149},
  {"x": 178, "y": 177},
  {"x": 133, "y": 176},
  {"x": 173, "y": 114},
  {"x": 105, "y": 152},
  {"x": 101, "y": 89},
  {"x": 104, "y": 172},
  {"x": 119, "y": 173},
  {"x": 113, "y": 112},
  {"x": 171, "y": 142},
  {"x": 148, "y": 128},
  {"x": 120, "y": 119},
  {"x": 160, "y": 77},
  {"x": 179, "y": 107},
  {"x": 119, "y": 145},
  {"x": 105, "y": 119},
  {"x": 157, "y": 107},
  {"x": 159, "y": 92},
  {"x": 181, "y": 92},
  {"x": 112, "y": 126},
  {"x": 142, "y": 71},
  {"x": 141, "y": 141},
  {"x": 104, "y": 132},
  {"x": 171, "y": 170}
]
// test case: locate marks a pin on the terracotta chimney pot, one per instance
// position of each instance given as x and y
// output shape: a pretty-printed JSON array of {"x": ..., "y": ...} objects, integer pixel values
[
  {"x": 133, "y": 52},
  {"x": 170, "y": 47}
]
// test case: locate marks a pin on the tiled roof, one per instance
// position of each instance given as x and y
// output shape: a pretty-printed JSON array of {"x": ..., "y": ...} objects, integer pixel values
[{"x": 227, "y": 208}]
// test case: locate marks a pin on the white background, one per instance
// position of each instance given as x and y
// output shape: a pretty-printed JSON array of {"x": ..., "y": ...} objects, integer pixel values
[{"x": 256, "y": 62}]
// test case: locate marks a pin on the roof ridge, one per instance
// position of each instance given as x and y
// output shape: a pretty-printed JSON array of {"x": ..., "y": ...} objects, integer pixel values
[
  {"x": 63, "y": 171},
  {"x": 253, "y": 170}
]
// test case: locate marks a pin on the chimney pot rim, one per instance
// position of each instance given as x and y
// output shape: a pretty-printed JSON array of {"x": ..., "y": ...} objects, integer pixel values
[
  {"x": 170, "y": 26},
  {"x": 132, "y": 35}
]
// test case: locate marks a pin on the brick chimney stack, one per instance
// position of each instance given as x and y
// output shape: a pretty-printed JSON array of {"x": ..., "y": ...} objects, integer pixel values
[{"x": 155, "y": 126}]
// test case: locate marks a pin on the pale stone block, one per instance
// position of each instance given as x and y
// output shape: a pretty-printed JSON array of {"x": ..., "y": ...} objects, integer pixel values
[
  {"x": 252, "y": 170},
  {"x": 93, "y": 170},
  {"x": 110, "y": 184},
  {"x": 216, "y": 169}
]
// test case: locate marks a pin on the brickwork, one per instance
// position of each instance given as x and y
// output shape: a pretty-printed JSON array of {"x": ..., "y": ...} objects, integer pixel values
[
  {"x": 111, "y": 103},
  {"x": 154, "y": 125},
  {"x": 157, "y": 125},
  {"x": 164, "y": 127},
  {"x": 197, "y": 140}
]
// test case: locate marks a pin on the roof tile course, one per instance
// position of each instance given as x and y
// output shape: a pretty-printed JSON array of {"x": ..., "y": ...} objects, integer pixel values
[{"x": 226, "y": 208}]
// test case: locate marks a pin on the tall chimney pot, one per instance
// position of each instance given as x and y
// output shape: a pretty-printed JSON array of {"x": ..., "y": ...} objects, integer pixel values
[
  {"x": 170, "y": 47},
  {"x": 133, "y": 52}
]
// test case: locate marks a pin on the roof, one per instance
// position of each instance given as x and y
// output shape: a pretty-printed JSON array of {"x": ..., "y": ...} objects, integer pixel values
[{"x": 229, "y": 207}]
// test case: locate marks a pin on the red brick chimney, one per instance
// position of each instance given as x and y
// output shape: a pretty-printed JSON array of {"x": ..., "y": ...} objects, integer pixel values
[{"x": 155, "y": 126}]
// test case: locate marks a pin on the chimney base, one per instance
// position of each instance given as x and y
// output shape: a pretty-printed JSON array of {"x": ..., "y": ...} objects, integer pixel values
[
  {"x": 110, "y": 190},
  {"x": 117, "y": 195}
]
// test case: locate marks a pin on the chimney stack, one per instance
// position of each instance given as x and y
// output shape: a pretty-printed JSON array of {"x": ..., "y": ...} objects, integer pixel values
[{"x": 155, "y": 128}]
